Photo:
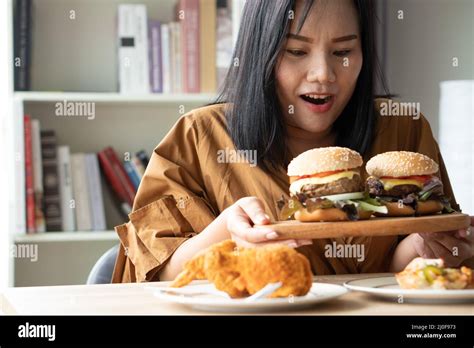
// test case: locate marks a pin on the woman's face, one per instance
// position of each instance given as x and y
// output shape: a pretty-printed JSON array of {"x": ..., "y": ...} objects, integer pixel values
[{"x": 323, "y": 61}]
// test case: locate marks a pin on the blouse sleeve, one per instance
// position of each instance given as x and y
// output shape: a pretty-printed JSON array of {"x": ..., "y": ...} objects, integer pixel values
[{"x": 171, "y": 206}]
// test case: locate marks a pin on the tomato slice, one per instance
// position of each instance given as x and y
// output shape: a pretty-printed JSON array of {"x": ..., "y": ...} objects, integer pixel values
[{"x": 421, "y": 178}]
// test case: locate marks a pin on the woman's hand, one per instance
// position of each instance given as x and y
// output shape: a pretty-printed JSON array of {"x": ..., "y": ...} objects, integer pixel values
[
  {"x": 454, "y": 247},
  {"x": 246, "y": 220}
]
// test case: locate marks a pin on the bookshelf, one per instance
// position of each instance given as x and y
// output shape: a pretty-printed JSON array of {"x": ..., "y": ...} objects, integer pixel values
[
  {"x": 67, "y": 237},
  {"x": 115, "y": 98},
  {"x": 78, "y": 60}
]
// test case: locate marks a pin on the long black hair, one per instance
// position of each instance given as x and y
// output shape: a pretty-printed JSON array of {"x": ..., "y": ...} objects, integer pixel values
[{"x": 254, "y": 118}]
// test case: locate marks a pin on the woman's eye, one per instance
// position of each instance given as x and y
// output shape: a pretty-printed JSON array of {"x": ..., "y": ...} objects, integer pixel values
[
  {"x": 296, "y": 53},
  {"x": 342, "y": 53}
]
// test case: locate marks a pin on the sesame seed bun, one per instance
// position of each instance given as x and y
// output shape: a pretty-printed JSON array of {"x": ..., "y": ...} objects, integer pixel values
[
  {"x": 401, "y": 163},
  {"x": 324, "y": 159}
]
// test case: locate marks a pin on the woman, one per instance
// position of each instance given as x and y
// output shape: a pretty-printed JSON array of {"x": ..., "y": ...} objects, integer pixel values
[{"x": 196, "y": 191}]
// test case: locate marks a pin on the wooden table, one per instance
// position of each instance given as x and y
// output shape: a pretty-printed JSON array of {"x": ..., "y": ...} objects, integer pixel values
[{"x": 134, "y": 299}]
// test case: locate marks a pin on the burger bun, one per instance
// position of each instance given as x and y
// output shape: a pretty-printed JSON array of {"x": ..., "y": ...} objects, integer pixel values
[
  {"x": 324, "y": 159},
  {"x": 396, "y": 209},
  {"x": 428, "y": 207},
  {"x": 328, "y": 214},
  {"x": 401, "y": 164}
]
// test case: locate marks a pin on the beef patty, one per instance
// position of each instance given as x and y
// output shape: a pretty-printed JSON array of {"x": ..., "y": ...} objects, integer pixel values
[
  {"x": 376, "y": 188},
  {"x": 343, "y": 185}
]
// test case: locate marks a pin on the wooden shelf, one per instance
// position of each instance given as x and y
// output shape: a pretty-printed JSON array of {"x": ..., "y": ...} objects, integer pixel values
[
  {"x": 83, "y": 236},
  {"x": 198, "y": 98}
]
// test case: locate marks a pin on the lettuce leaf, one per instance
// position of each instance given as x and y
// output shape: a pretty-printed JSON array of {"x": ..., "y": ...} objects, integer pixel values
[{"x": 290, "y": 208}]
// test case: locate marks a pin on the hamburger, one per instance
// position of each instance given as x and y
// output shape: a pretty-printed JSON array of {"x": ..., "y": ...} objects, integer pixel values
[
  {"x": 325, "y": 185},
  {"x": 406, "y": 183}
]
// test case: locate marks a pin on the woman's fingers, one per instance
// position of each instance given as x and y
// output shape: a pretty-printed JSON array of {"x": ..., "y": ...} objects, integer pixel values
[
  {"x": 447, "y": 246},
  {"x": 253, "y": 207},
  {"x": 246, "y": 222},
  {"x": 450, "y": 239},
  {"x": 238, "y": 224},
  {"x": 445, "y": 254},
  {"x": 422, "y": 248},
  {"x": 455, "y": 245},
  {"x": 466, "y": 234}
]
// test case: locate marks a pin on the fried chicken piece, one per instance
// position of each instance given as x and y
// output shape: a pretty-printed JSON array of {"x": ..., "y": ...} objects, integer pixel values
[
  {"x": 218, "y": 264},
  {"x": 242, "y": 272}
]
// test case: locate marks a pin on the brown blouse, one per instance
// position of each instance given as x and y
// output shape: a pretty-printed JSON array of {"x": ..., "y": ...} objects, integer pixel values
[{"x": 186, "y": 186}]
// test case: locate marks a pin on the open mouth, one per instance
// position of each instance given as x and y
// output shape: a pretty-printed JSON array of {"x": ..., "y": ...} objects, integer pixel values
[{"x": 316, "y": 100}]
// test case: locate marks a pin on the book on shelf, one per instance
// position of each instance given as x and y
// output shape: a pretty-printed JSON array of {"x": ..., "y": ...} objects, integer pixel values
[
  {"x": 82, "y": 206},
  {"x": 132, "y": 174},
  {"x": 165, "y": 57},
  {"x": 94, "y": 187},
  {"x": 133, "y": 49},
  {"x": 37, "y": 175},
  {"x": 51, "y": 199},
  {"x": 29, "y": 184},
  {"x": 66, "y": 189},
  {"x": 175, "y": 48},
  {"x": 125, "y": 180},
  {"x": 188, "y": 17},
  {"x": 155, "y": 56},
  {"x": 138, "y": 165},
  {"x": 89, "y": 207},
  {"x": 143, "y": 157},
  {"x": 117, "y": 179},
  {"x": 223, "y": 40},
  {"x": 188, "y": 54},
  {"x": 207, "y": 45},
  {"x": 66, "y": 194},
  {"x": 22, "y": 44}
]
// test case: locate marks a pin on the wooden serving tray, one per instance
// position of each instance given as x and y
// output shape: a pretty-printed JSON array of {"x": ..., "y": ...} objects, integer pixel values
[{"x": 375, "y": 226}]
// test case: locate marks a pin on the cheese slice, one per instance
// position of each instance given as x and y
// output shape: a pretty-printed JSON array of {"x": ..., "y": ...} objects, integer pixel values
[
  {"x": 388, "y": 184},
  {"x": 295, "y": 187}
]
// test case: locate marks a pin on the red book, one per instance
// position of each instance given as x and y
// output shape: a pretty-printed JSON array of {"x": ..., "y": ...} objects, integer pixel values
[
  {"x": 118, "y": 178},
  {"x": 121, "y": 174},
  {"x": 30, "y": 191},
  {"x": 114, "y": 182},
  {"x": 190, "y": 45}
]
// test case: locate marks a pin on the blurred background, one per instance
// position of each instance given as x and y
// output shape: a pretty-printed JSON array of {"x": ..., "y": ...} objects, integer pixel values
[{"x": 96, "y": 85}]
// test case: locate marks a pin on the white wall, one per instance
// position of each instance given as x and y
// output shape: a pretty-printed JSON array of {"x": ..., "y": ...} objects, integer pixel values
[{"x": 420, "y": 49}]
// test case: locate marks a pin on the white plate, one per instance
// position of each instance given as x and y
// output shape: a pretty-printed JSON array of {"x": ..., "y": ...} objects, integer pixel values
[
  {"x": 388, "y": 288},
  {"x": 319, "y": 292}
]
